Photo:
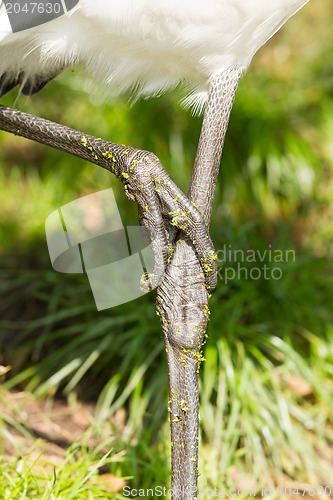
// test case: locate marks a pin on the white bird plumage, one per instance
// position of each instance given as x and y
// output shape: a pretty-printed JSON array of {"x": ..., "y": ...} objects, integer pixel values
[{"x": 146, "y": 46}]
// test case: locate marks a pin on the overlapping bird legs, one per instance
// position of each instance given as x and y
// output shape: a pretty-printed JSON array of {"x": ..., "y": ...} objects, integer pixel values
[{"x": 163, "y": 208}]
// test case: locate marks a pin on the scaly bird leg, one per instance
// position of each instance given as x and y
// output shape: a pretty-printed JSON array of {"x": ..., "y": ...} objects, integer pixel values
[
  {"x": 162, "y": 205},
  {"x": 182, "y": 298}
]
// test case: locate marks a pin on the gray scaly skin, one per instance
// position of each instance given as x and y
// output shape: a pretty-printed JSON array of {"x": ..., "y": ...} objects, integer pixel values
[
  {"x": 187, "y": 266},
  {"x": 162, "y": 205},
  {"x": 182, "y": 298}
]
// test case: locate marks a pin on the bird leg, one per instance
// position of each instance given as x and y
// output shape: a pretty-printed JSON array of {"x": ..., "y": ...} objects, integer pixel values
[
  {"x": 182, "y": 297},
  {"x": 162, "y": 205}
]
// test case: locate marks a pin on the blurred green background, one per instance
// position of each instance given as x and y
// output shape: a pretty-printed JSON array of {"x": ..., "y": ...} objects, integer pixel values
[{"x": 266, "y": 385}]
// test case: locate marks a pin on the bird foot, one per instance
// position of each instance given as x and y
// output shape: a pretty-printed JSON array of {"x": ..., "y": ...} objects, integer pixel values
[
  {"x": 163, "y": 207},
  {"x": 164, "y": 210}
]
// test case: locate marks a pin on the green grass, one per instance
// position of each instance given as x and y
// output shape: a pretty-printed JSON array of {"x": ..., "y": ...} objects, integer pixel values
[
  {"x": 98, "y": 464},
  {"x": 266, "y": 386},
  {"x": 70, "y": 481}
]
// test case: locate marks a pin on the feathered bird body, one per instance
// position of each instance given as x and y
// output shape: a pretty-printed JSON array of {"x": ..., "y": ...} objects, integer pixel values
[{"x": 143, "y": 46}]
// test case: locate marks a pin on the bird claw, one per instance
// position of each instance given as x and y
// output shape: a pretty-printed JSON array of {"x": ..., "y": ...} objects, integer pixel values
[{"x": 164, "y": 209}]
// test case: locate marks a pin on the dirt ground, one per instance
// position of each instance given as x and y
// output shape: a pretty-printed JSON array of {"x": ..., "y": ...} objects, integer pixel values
[{"x": 47, "y": 427}]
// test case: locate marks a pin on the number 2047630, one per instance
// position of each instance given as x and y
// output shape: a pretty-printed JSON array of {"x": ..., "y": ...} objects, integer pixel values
[
  {"x": 33, "y": 8},
  {"x": 302, "y": 491}
]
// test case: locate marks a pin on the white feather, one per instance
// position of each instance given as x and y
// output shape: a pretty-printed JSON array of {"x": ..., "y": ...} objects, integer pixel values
[{"x": 147, "y": 46}]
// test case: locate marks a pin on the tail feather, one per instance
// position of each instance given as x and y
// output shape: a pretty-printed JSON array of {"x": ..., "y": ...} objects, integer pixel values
[
  {"x": 29, "y": 87},
  {"x": 7, "y": 84}
]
